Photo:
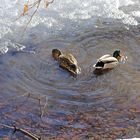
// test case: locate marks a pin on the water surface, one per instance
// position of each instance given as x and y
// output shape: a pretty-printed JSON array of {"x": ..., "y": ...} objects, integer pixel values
[{"x": 85, "y": 107}]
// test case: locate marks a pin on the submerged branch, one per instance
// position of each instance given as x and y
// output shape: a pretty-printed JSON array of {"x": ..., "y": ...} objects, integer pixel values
[
  {"x": 43, "y": 111},
  {"x": 29, "y": 134}
]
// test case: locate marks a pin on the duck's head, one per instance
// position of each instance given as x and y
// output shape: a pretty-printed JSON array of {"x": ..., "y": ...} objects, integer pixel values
[
  {"x": 56, "y": 53},
  {"x": 117, "y": 54}
]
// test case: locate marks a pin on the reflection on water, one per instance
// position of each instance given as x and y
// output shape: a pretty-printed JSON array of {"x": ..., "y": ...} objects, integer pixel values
[{"x": 88, "y": 106}]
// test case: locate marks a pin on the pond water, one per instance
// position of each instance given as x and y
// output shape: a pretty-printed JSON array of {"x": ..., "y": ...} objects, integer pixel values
[{"x": 85, "y": 107}]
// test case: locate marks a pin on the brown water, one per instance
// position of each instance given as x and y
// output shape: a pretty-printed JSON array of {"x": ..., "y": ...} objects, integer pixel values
[{"x": 85, "y": 107}]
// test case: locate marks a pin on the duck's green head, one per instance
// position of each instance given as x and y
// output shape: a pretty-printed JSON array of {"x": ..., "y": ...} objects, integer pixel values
[
  {"x": 117, "y": 54},
  {"x": 56, "y": 53}
]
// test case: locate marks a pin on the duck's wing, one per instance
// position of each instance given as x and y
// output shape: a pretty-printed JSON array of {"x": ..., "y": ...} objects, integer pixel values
[
  {"x": 109, "y": 62},
  {"x": 108, "y": 59},
  {"x": 100, "y": 64},
  {"x": 105, "y": 62},
  {"x": 69, "y": 62},
  {"x": 71, "y": 58}
]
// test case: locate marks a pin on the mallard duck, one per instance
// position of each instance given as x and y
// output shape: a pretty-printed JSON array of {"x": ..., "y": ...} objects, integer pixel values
[
  {"x": 66, "y": 61},
  {"x": 108, "y": 62}
]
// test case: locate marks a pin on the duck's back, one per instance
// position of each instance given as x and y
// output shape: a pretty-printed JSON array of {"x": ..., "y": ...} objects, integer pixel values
[
  {"x": 70, "y": 58},
  {"x": 104, "y": 56},
  {"x": 106, "y": 62}
]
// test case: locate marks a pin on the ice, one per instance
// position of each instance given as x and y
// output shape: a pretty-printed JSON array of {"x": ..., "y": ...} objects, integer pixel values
[{"x": 65, "y": 16}]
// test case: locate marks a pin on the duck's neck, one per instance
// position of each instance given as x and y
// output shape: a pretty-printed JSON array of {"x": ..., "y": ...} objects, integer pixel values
[{"x": 116, "y": 55}]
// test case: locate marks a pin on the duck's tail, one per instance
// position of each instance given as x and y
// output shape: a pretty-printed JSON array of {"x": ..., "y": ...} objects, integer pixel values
[{"x": 99, "y": 65}]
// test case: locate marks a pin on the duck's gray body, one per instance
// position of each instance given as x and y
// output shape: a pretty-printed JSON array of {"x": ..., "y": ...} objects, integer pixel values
[{"x": 106, "y": 62}]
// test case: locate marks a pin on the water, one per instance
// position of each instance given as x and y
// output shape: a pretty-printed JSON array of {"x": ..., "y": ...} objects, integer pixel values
[{"x": 85, "y": 107}]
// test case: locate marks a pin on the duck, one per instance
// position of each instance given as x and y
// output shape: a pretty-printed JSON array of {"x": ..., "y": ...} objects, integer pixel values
[
  {"x": 66, "y": 61},
  {"x": 108, "y": 62}
]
